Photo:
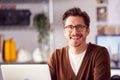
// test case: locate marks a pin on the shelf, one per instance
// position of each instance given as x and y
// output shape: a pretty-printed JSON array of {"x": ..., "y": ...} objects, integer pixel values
[
  {"x": 22, "y": 63},
  {"x": 23, "y": 1}
]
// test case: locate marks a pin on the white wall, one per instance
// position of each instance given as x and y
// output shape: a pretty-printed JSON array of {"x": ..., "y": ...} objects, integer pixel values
[{"x": 60, "y": 7}]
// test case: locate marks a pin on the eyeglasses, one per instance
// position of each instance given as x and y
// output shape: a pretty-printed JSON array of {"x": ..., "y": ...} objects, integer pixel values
[{"x": 78, "y": 27}]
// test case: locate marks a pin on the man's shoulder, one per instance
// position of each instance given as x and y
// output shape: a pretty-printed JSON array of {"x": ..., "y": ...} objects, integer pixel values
[
  {"x": 95, "y": 46},
  {"x": 97, "y": 49},
  {"x": 62, "y": 48},
  {"x": 60, "y": 51}
]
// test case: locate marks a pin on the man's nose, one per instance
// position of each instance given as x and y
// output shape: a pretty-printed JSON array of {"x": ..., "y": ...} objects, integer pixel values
[{"x": 75, "y": 30}]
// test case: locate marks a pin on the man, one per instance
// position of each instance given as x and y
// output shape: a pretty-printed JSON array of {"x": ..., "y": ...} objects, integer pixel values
[{"x": 79, "y": 60}]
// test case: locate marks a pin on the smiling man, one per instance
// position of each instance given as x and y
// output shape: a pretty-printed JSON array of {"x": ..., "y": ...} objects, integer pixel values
[{"x": 79, "y": 60}]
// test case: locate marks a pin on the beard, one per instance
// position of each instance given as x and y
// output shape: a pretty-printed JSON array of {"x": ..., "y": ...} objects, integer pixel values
[{"x": 77, "y": 43}]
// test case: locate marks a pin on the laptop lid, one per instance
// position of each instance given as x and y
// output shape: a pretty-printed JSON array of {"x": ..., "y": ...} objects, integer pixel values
[{"x": 25, "y": 72}]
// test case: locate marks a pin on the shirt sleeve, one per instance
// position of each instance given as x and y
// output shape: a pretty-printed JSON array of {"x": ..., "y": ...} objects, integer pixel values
[{"x": 102, "y": 65}]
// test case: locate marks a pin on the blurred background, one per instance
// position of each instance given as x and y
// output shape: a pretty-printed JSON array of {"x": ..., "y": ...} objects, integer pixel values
[{"x": 22, "y": 21}]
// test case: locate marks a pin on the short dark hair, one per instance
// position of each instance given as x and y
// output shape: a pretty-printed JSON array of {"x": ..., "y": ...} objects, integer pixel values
[{"x": 76, "y": 12}]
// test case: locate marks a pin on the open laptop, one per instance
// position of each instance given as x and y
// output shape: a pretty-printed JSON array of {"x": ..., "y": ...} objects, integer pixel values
[{"x": 25, "y": 72}]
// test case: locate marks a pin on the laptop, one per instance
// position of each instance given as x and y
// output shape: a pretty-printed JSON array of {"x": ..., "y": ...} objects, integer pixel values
[{"x": 25, "y": 72}]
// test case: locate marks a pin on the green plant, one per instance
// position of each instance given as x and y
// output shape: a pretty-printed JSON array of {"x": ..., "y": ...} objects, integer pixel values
[{"x": 42, "y": 25}]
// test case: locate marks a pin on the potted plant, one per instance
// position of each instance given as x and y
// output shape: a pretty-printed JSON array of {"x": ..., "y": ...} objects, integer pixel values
[{"x": 42, "y": 25}]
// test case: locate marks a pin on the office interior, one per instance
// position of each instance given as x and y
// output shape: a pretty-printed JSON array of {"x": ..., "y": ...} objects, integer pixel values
[{"x": 104, "y": 28}]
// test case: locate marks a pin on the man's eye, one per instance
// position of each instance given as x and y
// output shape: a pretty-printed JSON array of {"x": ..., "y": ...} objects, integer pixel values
[
  {"x": 79, "y": 26},
  {"x": 70, "y": 26}
]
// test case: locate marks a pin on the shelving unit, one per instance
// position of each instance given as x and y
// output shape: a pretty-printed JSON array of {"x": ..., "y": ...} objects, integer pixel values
[
  {"x": 29, "y": 28},
  {"x": 101, "y": 15}
]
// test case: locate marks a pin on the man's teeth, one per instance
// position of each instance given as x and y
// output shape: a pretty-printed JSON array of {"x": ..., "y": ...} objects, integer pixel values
[{"x": 75, "y": 37}]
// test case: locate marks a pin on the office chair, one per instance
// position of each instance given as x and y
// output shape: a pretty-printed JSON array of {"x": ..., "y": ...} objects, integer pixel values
[{"x": 115, "y": 77}]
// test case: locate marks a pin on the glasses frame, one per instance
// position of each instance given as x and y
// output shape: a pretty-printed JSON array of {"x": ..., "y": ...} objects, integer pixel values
[{"x": 78, "y": 27}]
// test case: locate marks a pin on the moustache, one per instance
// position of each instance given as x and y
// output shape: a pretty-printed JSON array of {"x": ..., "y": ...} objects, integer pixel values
[{"x": 77, "y": 35}]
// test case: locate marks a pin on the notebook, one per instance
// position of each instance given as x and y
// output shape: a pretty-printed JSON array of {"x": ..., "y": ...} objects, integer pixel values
[{"x": 25, "y": 72}]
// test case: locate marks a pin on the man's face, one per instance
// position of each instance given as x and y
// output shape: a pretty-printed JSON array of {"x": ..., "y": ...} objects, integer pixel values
[{"x": 75, "y": 31}]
